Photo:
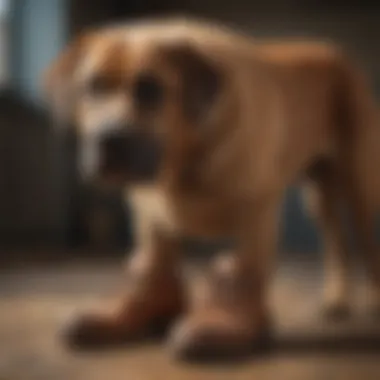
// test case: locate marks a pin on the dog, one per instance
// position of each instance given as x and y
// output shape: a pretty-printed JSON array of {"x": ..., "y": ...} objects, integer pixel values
[{"x": 212, "y": 127}]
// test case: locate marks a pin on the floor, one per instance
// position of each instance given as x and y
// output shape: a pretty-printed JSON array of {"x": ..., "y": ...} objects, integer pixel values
[{"x": 36, "y": 300}]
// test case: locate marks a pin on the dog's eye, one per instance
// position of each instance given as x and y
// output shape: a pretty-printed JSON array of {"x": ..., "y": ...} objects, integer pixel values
[{"x": 148, "y": 91}]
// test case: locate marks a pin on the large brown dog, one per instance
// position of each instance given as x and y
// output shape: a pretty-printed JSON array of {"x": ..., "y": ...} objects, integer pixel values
[{"x": 215, "y": 127}]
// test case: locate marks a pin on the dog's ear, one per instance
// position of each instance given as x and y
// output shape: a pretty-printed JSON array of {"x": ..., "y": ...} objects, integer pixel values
[
  {"x": 201, "y": 80},
  {"x": 58, "y": 79}
]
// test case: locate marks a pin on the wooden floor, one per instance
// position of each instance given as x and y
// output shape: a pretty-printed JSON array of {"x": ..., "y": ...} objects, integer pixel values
[{"x": 36, "y": 300}]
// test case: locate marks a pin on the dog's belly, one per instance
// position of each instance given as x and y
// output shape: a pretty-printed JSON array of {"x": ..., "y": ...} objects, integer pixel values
[{"x": 184, "y": 216}]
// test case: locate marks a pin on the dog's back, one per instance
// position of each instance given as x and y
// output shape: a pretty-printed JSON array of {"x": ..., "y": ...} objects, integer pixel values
[{"x": 328, "y": 99}]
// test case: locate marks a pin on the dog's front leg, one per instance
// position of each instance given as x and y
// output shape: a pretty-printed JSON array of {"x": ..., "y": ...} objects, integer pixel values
[
  {"x": 233, "y": 317},
  {"x": 152, "y": 298}
]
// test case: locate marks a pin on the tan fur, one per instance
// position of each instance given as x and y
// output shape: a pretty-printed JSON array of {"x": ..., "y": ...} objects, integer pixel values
[{"x": 283, "y": 108}]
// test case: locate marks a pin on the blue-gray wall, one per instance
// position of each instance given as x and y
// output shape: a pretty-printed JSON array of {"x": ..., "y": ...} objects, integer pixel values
[{"x": 38, "y": 34}]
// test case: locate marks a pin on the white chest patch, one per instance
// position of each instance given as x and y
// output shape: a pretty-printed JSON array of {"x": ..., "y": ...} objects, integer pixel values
[{"x": 151, "y": 208}]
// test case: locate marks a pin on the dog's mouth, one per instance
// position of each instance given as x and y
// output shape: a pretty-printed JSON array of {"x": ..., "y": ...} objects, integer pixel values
[{"x": 132, "y": 157}]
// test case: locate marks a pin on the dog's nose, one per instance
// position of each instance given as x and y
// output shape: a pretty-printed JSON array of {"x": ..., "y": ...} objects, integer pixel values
[{"x": 112, "y": 146}]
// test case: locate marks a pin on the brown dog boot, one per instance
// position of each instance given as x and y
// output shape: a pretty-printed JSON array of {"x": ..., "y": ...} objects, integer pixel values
[
  {"x": 154, "y": 299},
  {"x": 228, "y": 323}
]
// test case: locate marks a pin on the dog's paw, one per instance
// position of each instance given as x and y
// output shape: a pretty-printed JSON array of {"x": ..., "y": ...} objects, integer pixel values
[{"x": 84, "y": 332}]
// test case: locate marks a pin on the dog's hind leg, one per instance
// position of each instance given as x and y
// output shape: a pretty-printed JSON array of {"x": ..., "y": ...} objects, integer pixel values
[
  {"x": 363, "y": 217},
  {"x": 322, "y": 192},
  {"x": 358, "y": 148}
]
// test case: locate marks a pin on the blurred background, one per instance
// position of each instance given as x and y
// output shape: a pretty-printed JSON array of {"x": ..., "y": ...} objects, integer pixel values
[{"x": 46, "y": 212}]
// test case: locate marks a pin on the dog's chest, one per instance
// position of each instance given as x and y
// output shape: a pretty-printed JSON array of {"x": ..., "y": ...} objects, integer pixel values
[
  {"x": 151, "y": 207},
  {"x": 188, "y": 216}
]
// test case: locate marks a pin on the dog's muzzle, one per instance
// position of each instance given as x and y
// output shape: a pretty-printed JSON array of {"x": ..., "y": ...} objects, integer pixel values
[{"x": 133, "y": 156}]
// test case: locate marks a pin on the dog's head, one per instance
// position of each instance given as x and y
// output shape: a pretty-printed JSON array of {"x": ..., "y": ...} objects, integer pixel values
[{"x": 137, "y": 94}]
